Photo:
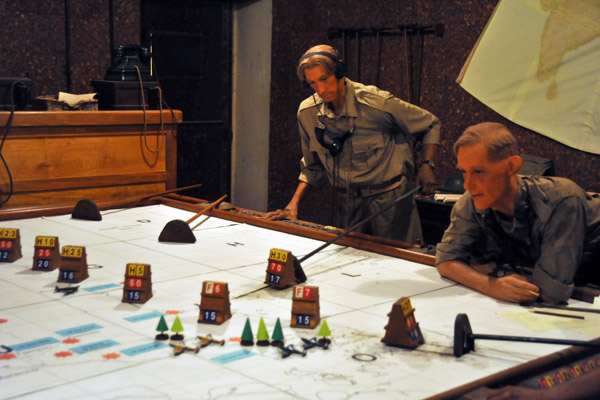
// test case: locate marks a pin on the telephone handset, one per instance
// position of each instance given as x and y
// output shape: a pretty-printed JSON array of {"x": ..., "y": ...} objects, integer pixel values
[
  {"x": 125, "y": 60},
  {"x": 131, "y": 49}
]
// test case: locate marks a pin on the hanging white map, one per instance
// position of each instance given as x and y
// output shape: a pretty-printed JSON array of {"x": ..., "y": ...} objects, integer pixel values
[{"x": 537, "y": 64}]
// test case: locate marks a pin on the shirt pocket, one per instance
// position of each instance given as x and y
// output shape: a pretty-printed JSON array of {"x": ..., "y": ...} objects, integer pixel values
[{"x": 367, "y": 149}]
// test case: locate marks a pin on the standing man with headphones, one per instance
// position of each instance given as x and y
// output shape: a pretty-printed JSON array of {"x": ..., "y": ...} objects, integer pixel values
[{"x": 359, "y": 138}]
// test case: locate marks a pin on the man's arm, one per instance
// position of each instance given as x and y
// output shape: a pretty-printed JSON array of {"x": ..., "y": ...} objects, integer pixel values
[
  {"x": 514, "y": 288},
  {"x": 291, "y": 210},
  {"x": 426, "y": 176},
  {"x": 424, "y": 127}
]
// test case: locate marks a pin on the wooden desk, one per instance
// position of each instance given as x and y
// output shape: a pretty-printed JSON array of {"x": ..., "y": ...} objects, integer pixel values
[{"x": 58, "y": 157}]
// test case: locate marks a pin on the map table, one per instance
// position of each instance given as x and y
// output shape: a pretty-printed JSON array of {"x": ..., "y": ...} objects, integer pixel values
[{"x": 90, "y": 344}]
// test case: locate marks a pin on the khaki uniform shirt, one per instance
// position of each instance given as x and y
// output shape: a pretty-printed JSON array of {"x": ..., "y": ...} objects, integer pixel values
[
  {"x": 379, "y": 149},
  {"x": 555, "y": 230}
]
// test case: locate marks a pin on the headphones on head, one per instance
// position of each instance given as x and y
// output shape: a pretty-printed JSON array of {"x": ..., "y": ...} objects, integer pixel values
[
  {"x": 339, "y": 71},
  {"x": 336, "y": 143}
]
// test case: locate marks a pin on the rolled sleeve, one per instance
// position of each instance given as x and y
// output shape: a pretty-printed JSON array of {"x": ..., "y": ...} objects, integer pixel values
[
  {"x": 462, "y": 233},
  {"x": 311, "y": 167},
  {"x": 555, "y": 290},
  {"x": 311, "y": 173}
]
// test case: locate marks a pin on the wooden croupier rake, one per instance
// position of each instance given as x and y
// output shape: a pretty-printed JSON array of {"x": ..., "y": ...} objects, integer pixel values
[
  {"x": 179, "y": 231},
  {"x": 464, "y": 338}
]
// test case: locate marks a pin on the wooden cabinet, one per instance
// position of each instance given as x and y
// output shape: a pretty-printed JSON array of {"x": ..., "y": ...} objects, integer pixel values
[{"x": 60, "y": 157}]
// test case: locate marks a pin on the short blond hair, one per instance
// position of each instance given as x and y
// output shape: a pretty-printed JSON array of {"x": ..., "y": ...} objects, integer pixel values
[
  {"x": 497, "y": 139},
  {"x": 329, "y": 64}
]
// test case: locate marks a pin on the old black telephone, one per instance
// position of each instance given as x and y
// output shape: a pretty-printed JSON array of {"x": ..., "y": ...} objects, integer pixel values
[
  {"x": 125, "y": 60},
  {"x": 128, "y": 83}
]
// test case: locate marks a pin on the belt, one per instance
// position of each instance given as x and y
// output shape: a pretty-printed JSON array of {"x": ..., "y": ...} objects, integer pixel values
[{"x": 372, "y": 190}]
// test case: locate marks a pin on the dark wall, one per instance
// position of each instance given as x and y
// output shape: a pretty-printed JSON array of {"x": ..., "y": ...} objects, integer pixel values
[
  {"x": 298, "y": 25},
  {"x": 34, "y": 43}
]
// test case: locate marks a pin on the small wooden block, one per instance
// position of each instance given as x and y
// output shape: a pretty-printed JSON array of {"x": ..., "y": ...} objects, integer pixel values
[
  {"x": 46, "y": 256},
  {"x": 214, "y": 303},
  {"x": 10, "y": 245},
  {"x": 402, "y": 329},
  {"x": 305, "y": 307},
  {"x": 73, "y": 266},
  {"x": 138, "y": 283},
  {"x": 280, "y": 269}
]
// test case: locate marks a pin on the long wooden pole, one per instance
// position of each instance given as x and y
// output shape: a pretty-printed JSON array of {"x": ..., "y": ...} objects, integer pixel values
[{"x": 207, "y": 209}]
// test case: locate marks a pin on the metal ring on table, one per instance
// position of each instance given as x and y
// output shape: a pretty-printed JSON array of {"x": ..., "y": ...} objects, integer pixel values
[{"x": 364, "y": 357}]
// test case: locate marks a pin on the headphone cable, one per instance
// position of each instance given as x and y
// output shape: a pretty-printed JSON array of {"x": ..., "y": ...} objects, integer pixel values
[
  {"x": 7, "y": 128},
  {"x": 163, "y": 101}
]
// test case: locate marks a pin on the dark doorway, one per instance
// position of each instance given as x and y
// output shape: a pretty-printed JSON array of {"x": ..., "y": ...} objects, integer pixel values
[{"x": 191, "y": 46}]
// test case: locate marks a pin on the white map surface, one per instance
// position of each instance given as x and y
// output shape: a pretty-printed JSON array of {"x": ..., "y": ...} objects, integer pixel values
[{"x": 91, "y": 345}]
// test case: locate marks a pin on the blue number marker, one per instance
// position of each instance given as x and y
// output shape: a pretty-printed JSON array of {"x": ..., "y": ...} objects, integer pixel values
[
  {"x": 133, "y": 295},
  {"x": 67, "y": 275},
  {"x": 209, "y": 315},
  {"x": 302, "y": 319}
]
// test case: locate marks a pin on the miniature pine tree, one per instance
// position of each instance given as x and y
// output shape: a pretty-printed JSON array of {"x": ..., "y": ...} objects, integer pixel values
[
  {"x": 324, "y": 332},
  {"x": 162, "y": 327},
  {"x": 177, "y": 327},
  {"x": 262, "y": 336},
  {"x": 277, "y": 338},
  {"x": 247, "y": 336}
]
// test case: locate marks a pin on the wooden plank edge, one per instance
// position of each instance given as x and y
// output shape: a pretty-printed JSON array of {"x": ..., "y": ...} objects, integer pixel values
[
  {"x": 90, "y": 118},
  {"x": 359, "y": 241},
  {"x": 521, "y": 371},
  {"x": 86, "y": 182}
]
